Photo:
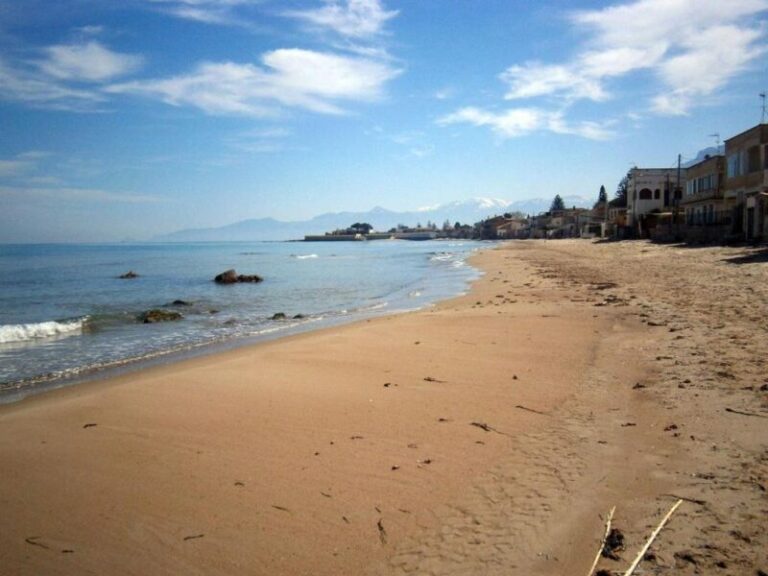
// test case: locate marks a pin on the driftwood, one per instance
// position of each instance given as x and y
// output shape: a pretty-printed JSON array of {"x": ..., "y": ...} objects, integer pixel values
[
  {"x": 521, "y": 407},
  {"x": 602, "y": 542},
  {"x": 732, "y": 411},
  {"x": 652, "y": 538}
]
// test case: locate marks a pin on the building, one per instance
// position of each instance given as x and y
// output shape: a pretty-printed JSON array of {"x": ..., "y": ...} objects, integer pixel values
[
  {"x": 709, "y": 215},
  {"x": 514, "y": 228},
  {"x": 746, "y": 183},
  {"x": 652, "y": 192}
]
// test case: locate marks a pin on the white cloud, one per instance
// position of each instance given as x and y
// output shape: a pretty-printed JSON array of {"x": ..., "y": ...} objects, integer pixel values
[
  {"x": 90, "y": 62},
  {"x": 21, "y": 163},
  {"x": 288, "y": 78},
  {"x": 37, "y": 89},
  {"x": 206, "y": 11},
  {"x": 517, "y": 122},
  {"x": 350, "y": 18},
  {"x": 75, "y": 195},
  {"x": 693, "y": 49}
]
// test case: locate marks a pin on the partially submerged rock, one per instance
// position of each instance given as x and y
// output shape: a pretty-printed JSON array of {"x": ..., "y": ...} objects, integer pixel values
[
  {"x": 279, "y": 316},
  {"x": 128, "y": 275},
  {"x": 159, "y": 315},
  {"x": 232, "y": 277}
]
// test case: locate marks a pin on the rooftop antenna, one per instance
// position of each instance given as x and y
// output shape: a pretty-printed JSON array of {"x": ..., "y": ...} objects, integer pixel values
[
  {"x": 716, "y": 136},
  {"x": 762, "y": 97}
]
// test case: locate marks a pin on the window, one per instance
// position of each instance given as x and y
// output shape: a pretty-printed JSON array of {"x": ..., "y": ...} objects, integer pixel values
[
  {"x": 646, "y": 194},
  {"x": 734, "y": 164},
  {"x": 690, "y": 187},
  {"x": 657, "y": 194},
  {"x": 753, "y": 159}
]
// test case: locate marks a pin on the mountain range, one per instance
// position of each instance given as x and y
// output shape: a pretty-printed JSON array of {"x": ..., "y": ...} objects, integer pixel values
[{"x": 466, "y": 212}]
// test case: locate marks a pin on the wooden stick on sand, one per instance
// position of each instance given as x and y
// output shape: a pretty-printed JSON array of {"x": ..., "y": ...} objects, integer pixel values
[
  {"x": 652, "y": 538},
  {"x": 602, "y": 542}
]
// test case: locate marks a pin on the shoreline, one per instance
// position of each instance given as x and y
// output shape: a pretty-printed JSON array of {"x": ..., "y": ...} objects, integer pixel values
[
  {"x": 486, "y": 434},
  {"x": 20, "y": 390}
]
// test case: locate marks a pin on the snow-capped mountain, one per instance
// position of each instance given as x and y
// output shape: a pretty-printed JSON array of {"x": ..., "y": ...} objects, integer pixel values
[{"x": 464, "y": 211}]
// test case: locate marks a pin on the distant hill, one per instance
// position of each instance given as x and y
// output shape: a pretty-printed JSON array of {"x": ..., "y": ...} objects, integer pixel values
[{"x": 465, "y": 211}]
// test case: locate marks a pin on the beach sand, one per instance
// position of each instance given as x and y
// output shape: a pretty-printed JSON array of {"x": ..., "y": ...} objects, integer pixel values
[{"x": 490, "y": 434}]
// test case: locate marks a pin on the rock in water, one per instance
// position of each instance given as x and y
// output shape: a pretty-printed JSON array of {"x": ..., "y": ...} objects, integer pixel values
[
  {"x": 279, "y": 316},
  {"x": 158, "y": 315},
  {"x": 128, "y": 275},
  {"x": 232, "y": 277}
]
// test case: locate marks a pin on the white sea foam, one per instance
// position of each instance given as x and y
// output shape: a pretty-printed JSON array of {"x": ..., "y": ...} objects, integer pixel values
[
  {"x": 305, "y": 256},
  {"x": 25, "y": 332}
]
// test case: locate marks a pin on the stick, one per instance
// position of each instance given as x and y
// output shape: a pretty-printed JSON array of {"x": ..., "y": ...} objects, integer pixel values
[
  {"x": 732, "y": 411},
  {"x": 521, "y": 407},
  {"x": 652, "y": 538},
  {"x": 602, "y": 542}
]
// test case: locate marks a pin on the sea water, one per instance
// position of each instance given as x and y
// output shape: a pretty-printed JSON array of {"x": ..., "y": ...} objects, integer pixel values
[{"x": 66, "y": 316}]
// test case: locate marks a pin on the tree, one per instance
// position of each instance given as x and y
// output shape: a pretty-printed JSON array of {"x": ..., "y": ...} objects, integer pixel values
[
  {"x": 623, "y": 188},
  {"x": 361, "y": 228},
  {"x": 602, "y": 198},
  {"x": 557, "y": 204}
]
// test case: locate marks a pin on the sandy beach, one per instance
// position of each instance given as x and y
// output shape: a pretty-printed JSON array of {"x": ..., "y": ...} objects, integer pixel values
[{"x": 490, "y": 434}]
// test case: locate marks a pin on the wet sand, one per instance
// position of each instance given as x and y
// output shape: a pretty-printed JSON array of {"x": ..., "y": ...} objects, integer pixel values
[{"x": 488, "y": 435}]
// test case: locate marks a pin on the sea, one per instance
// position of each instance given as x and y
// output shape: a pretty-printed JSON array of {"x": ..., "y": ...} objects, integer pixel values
[{"x": 67, "y": 317}]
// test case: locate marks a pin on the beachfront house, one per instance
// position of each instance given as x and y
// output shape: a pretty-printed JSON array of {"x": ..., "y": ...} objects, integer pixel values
[
  {"x": 746, "y": 183},
  {"x": 653, "y": 196},
  {"x": 709, "y": 215}
]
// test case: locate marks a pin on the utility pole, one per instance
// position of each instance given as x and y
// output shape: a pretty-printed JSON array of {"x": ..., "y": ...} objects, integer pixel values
[
  {"x": 762, "y": 97},
  {"x": 677, "y": 187}
]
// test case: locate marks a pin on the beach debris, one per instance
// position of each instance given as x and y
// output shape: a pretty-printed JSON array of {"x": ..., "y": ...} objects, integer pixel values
[
  {"x": 232, "y": 277},
  {"x": 326, "y": 495},
  {"x": 443, "y": 419},
  {"x": 387, "y": 384},
  {"x": 194, "y": 537},
  {"x": 603, "y": 541},
  {"x": 693, "y": 500},
  {"x": 425, "y": 461},
  {"x": 67, "y": 551},
  {"x": 382, "y": 532},
  {"x": 755, "y": 414},
  {"x": 430, "y": 379},
  {"x": 395, "y": 467},
  {"x": 90, "y": 425},
  {"x": 514, "y": 376},
  {"x": 279, "y": 316},
  {"x": 487, "y": 428},
  {"x": 356, "y": 437},
  {"x": 652, "y": 537},
  {"x": 130, "y": 275},
  {"x": 345, "y": 519},
  {"x": 628, "y": 424},
  {"x": 158, "y": 315},
  {"x": 638, "y": 386},
  {"x": 521, "y": 407},
  {"x": 238, "y": 483},
  {"x": 281, "y": 508},
  {"x": 670, "y": 427},
  {"x": 413, "y": 445},
  {"x": 614, "y": 542},
  {"x": 33, "y": 541}
]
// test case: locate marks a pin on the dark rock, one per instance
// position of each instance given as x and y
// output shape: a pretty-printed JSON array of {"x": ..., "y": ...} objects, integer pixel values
[
  {"x": 128, "y": 275},
  {"x": 158, "y": 315},
  {"x": 279, "y": 316},
  {"x": 181, "y": 303},
  {"x": 299, "y": 316},
  {"x": 232, "y": 277}
]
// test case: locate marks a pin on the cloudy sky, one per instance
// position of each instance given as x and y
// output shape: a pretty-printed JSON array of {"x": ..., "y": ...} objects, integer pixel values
[{"x": 128, "y": 119}]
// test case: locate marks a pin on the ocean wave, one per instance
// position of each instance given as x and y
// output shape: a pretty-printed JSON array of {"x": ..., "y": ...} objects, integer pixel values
[
  {"x": 25, "y": 332},
  {"x": 304, "y": 256}
]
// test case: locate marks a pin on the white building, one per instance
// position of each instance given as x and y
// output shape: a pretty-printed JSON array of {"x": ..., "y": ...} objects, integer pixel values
[{"x": 652, "y": 190}]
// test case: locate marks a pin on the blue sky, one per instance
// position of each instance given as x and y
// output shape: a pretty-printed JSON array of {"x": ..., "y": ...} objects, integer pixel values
[{"x": 127, "y": 119}]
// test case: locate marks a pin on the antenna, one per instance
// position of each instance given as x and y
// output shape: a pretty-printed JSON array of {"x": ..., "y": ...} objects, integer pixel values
[
  {"x": 716, "y": 136},
  {"x": 762, "y": 97}
]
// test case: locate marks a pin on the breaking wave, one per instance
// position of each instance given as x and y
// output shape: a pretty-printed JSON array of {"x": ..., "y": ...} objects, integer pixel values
[{"x": 25, "y": 332}]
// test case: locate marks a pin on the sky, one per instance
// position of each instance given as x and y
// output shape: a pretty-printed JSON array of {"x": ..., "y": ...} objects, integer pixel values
[{"x": 121, "y": 120}]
